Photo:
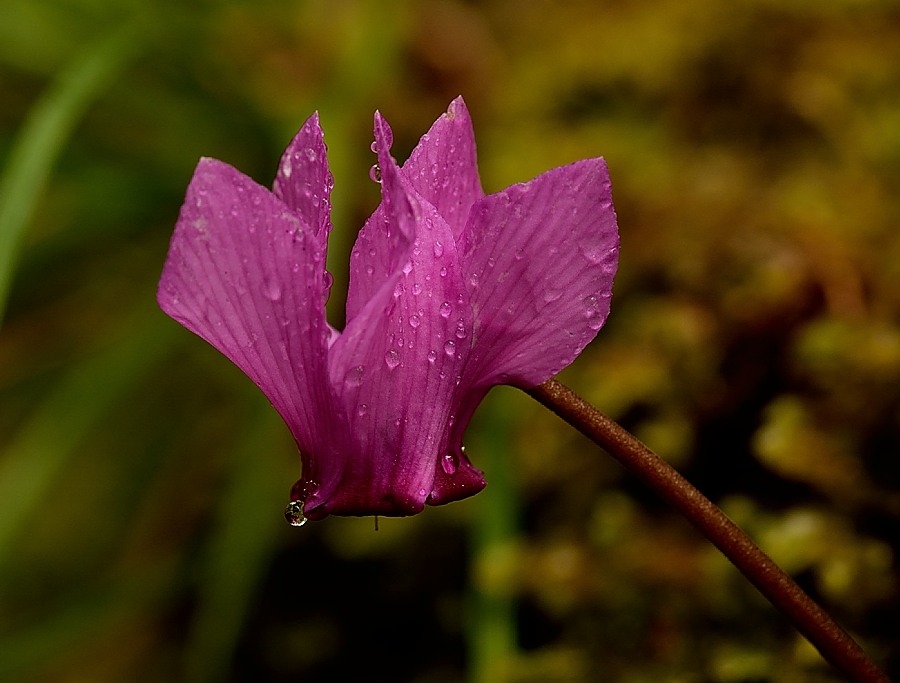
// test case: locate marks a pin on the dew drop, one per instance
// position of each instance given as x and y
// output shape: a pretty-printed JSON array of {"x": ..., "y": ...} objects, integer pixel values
[
  {"x": 450, "y": 347},
  {"x": 552, "y": 295},
  {"x": 271, "y": 290},
  {"x": 594, "y": 253},
  {"x": 414, "y": 321},
  {"x": 392, "y": 358},
  {"x": 443, "y": 271},
  {"x": 445, "y": 309},
  {"x": 363, "y": 410},
  {"x": 293, "y": 513},
  {"x": 432, "y": 356},
  {"x": 354, "y": 376},
  {"x": 310, "y": 154},
  {"x": 449, "y": 463},
  {"x": 438, "y": 249},
  {"x": 461, "y": 330},
  {"x": 375, "y": 173},
  {"x": 374, "y": 147},
  {"x": 417, "y": 289}
]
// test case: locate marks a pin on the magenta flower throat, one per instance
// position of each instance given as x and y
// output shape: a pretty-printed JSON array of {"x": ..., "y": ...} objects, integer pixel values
[{"x": 451, "y": 292}]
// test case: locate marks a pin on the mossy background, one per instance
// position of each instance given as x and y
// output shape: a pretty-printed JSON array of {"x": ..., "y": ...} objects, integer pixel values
[{"x": 754, "y": 147}]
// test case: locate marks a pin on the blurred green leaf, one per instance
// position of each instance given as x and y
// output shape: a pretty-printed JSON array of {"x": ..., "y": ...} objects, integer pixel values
[{"x": 44, "y": 135}]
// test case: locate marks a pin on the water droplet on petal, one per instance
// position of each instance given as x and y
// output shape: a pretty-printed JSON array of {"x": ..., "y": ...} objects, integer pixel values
[
  {"x": 293, "y": 513},
  {"x": 449, "y": 463},
  {"x": 450, "y": 347},
  {"x": 392, "y": 359},
  {"x": 374, "y": 147},
  {"x": 414, "y": 321},
  {"x": 443, "y": 271},
  {"x": 432, "y": 356},
  {"x": 445, "y": 309},
  {"x": 354, "y": 376},
  {"x": 461, "y": 330},
  {"x": 375, "y": 173},
  {"x": 417, "y": 289},
  {"x": 363, "y": 410},
  {"x": 552, "y": 295},
  {"x": 271, "y": 290},
  {"x": 438, "y": 249}
]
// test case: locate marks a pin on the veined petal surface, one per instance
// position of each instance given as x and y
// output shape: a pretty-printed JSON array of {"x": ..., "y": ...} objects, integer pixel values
[
  {"x": 400, "y": 360},
  {"x": 539, "y": 260},
  {"x": 246, "y": 273},
  {"x": 443, "y": 169}
]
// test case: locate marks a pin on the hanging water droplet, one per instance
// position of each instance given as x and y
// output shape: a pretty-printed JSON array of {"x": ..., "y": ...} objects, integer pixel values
[
  {"x": 293, "y": 513},
  {"x": 450, "y": 347},
  {"x": 445, "y": 309},
  {"x": 375, "y": 173},
  {"x": 374, "y": 147},
  {"x": 392, "y": 359}
]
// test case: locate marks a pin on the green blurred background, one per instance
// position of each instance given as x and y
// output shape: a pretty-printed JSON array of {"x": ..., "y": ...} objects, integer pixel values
[{"x": 754, "y": 342}]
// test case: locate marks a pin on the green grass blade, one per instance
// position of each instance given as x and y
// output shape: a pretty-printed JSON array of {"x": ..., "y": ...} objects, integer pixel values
[{"x": 43, "y": 136}]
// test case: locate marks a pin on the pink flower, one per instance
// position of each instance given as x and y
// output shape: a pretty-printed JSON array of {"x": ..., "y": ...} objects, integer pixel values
[{"x": 451, "y": 292}]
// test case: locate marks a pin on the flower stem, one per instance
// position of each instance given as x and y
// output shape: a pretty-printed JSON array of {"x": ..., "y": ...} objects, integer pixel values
[{"x": 834, "y": 644}]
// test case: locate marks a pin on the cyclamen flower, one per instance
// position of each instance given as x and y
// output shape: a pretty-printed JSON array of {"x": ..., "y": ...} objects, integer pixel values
[{"x": 451, "y": 293}]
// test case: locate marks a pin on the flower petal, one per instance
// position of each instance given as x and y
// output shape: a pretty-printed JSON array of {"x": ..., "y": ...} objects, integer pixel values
[
  {"x": 399, "y": 364},
  {"x": 383, "y": 243},
  {"x": 443, "y": 168},
  {"x": 540, "y": 259},
  {"x": 246, "y": 274},
  {"x": 303, "y": 180}
]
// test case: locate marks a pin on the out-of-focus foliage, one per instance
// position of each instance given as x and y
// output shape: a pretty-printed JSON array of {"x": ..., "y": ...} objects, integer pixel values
[{"x": 754, "y": 341}]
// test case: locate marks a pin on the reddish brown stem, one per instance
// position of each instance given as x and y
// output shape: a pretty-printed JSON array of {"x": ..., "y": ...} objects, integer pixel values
[{"x": 835, "y": 645}]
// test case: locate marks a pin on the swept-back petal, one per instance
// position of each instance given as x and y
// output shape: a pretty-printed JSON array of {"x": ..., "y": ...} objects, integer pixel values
[
  {"x": 539, "y": 264},
  {"x": 245, "y": 273},
  {"x": 443, "y": 168},
  {"x": 399, "y": 363},
  {"x": 303, "y": 180}
]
